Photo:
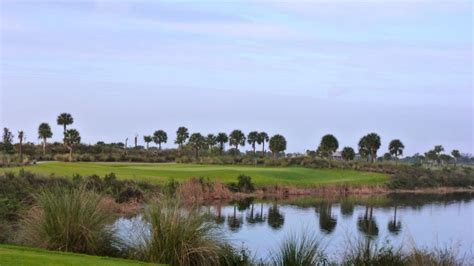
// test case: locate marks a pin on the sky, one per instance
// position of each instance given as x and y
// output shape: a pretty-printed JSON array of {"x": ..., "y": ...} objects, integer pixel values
[{"x": 402, "y": 69}]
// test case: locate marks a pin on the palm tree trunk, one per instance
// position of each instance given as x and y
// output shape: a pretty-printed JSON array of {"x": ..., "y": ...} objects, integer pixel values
[
  {"x": 64, "y": 128},
  {"x": 44, "y": 146},
  {"x": 70, "y": 154},
  {"x": 263, "y": 148}
]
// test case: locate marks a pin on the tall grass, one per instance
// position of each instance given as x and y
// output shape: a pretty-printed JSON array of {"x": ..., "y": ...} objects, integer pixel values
[
  {"x": 68, "y": 220},
  {"x": 178, "y": 236},
  {"x": 296, "y": 250},
  {"x": 367, "y": 252}
]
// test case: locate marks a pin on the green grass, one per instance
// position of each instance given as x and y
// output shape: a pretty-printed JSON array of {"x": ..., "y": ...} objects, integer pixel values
[
  {"x": 160, "y": 173},
  {"x": 16, "y": 255}
]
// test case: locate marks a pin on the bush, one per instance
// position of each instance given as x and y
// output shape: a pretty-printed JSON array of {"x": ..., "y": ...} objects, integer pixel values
[
  {"x": 179, "y": 237},
  {"x": 299, "y": 250},
  {"x": 69, "y": 220},
  {"x": 245, "y": 184},
  {"x": 61, "y": 157}
]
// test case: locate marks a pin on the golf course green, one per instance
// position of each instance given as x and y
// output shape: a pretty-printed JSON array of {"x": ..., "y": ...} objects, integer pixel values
[
  {"x": 23, "y": 256},
  {"x": 161, "y": 173}
]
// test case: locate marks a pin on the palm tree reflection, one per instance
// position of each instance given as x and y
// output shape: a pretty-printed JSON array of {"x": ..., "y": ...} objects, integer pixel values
[
  {"x": 275, "y": 218},
  {"x": 394, "y": 226},
  {"x": 327, "y": 223}
]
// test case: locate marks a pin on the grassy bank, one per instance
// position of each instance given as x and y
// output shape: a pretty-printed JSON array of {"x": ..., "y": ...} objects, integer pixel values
[
  {"x": 16, "y": 255},
  {"x": 161, "y": 173}
]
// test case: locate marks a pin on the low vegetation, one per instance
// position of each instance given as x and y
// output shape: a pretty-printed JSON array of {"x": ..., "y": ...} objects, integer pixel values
[
  {"x": 72, "y": 220},
  {"x": 179, "y": 236}
]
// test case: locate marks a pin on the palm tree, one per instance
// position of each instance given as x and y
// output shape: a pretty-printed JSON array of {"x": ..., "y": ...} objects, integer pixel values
[
  {"x": 262, "y": 138},
  {"x": 21, "y": 136},
  {"x": 147, "y": 140},
  {"x": 7, "y": 137},
  {"x": 159, "y": 137},
  {"x": 211, "y": 140},
  {"x": 222, "y": 139},
  {"x": 328, "y": 145},
  {"x": 348, "y": 153},
  {"x": 456, "y": 154},
  {"x": 252, "y": 139},
  {"x": 197, "y": 142},
  {"x": 237, "y": 138},
  {"x": 396, "y": 148},
  {"x": 71, "y": 138},
  {"x": 65, "y": 119},
  {"x": 44, "y": 133},
  {"x": 369, "y": 144},
  {"x": 182, "y": 135},
  {"x": 277, "y": 144}
]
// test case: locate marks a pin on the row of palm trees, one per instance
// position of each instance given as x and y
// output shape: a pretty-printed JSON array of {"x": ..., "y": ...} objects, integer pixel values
[
  {"x": 368, "y": 147},
  {"x": 236, "y": 138}
]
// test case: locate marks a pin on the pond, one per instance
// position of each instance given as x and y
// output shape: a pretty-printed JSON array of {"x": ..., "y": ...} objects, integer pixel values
[{"x": 407, "y": 220}]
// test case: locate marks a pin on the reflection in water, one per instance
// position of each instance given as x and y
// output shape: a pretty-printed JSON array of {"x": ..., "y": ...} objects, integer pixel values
[
  {"x": 234, "y": 221},
  {"x": 394, "y": 226},
  {"x": 275, "y": 217},
  {"x": 367, "y": 224},
  {"x": 254, "y": 223},
  {"x": 327, "y": 223},
  {"x": 219, "y": 219},
  {"x": 347, "y": 207}
]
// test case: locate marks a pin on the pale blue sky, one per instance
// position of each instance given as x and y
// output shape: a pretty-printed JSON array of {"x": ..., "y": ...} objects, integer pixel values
[{"x": 299, "y": 68}]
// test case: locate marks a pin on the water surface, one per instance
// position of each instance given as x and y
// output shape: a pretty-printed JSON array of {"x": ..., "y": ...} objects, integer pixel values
[{"x": 421, "y": 220}]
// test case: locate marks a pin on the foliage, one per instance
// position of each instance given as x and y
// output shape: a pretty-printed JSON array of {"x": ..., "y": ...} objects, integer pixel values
[
  {"x": 44, "y": 133},
  {"x": 69, "y": 220},
  {"x": 368, "y": 145},
  {"x": 147, "y": 140},
  {"x": 252, "y": 139},
  {"x": 211, "y": 141},
  {"x": 222, "y": 139},
  {"x": 304, "y": 249},
  {"x": 261, "y": 139},
  {"x": 160, "y": 137},
  {"x": 178, "y": 237},
  {"x": 396, "y": 148},
  {"x": 277, "y": 144},
  {"x": 71, "y": 138},
  {"x": 328, "y": 145},
  {"x": 245, "y": 184},
  {"x": 7, "y": 141},
  {"x": 182, "y": 135},
  {"x": 65, "y": 119},
  {"x": 237, "y": 138},
  {"x": 348, "y": 154},
  {"x": 197, "y": 142}
]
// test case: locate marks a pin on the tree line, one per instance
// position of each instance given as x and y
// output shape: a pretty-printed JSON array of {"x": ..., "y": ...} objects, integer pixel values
[{"x": 368, "y": 145}]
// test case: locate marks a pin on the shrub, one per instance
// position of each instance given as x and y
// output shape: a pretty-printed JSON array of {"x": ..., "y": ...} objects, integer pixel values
[
  {"x": 61, "y": 157},
  {"x": 299, "y": 250},
  {"x": 245, "y": 184},
  {"x": 365, "y": 252},
  {"x": 69, "y": 220},
  {"x": 178, "y": 237}
]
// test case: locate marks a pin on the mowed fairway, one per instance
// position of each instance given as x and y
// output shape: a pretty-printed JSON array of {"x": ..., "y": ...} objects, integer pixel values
[
  {"x": 16, "y": 255},
  {"x": 161, "y": 173}
]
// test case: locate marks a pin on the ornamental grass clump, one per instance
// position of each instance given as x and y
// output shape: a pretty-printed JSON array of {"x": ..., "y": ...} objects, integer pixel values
[
  {"x": 73, "y": 220},
  {"x": 179, "y": 236}
]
